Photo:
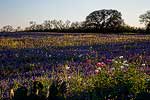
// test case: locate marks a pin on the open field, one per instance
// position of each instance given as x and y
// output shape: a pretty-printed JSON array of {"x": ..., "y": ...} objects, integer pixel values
[{"x": 106, "y": 63}]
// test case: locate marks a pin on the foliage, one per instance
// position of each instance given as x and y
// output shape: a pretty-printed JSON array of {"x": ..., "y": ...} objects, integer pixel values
[
  {"x": 100, "y": 21},
  {"x": 112, "y": 82},
  {"x": 107, "y": 20},
  {"x": 145, "y": 18},
  {"x": 75, "y": 67}
]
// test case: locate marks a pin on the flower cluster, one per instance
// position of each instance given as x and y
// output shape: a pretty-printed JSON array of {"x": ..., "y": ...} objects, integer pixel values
[{"x": 75, "y": 59}]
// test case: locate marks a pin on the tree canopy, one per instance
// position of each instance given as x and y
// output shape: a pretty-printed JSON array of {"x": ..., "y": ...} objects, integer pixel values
[
  {"x": 99, "y": 21},
  {"x": 145, "y": 19},
  {"x": 104, "y": 19}
]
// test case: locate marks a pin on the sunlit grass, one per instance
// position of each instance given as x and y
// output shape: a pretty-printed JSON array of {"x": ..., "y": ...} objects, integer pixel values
[{"x": 69, "y": 40}]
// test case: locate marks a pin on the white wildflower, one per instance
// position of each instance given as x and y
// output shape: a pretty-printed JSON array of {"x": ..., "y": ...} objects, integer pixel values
[
  {"x": 120, "y": 62},
  {"x": 67, "y": 67},
  {"x": 121, "y": 57},
  {"x": 121, "y": 67},
  {"x": 116, "y": 61},
  {"x": 143, "y": 64},
  {"x": 99, "y": 68},
  {"x": 69, "y": 77},
  {"x": 96, "y": 71},
  {"x": 148, "y": 80},
  {"x": 50, "y": 55},
  {"x": 113, "y": 59},
  {"x": 126, "y": 65},
  {"x": 125, "y": 61}
]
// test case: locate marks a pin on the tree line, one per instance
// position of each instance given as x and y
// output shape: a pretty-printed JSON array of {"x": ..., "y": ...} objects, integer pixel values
[{"x": 101, "y": 21}]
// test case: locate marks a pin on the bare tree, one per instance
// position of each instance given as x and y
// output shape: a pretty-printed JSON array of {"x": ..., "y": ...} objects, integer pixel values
[
  {"x": 18, "y": 29},
  {"x": 39, "y": 27},
  {"x": 7, "y": 28},
  {"x": 47, "y": 25},
  {"x": 67, "y": 24},
  {"x": 32, "y": 25},
  {"x": 76, "y": 25}
]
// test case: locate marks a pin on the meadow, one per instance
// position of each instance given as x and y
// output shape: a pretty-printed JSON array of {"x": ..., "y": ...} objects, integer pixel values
[{"x": 77, "y": 66}]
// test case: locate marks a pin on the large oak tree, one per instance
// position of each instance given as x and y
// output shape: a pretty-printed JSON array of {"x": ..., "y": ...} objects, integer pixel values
[{"x": 104, "y": 20}]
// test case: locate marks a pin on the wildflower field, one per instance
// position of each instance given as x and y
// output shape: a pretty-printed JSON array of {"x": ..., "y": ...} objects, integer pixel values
[{"x": 75, "y": 66}]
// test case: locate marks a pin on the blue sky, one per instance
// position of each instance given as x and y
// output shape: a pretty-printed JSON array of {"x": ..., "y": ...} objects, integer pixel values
[{"x": 20, "y": 12}]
